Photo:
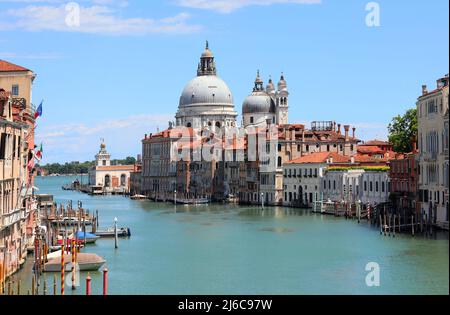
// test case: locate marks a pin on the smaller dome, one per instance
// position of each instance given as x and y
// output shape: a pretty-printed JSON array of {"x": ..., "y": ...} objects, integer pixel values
[
  {"x": 282, "y": 82},
  {"x": 270, "y": 86},
  {"x": 259, "y": 102}
]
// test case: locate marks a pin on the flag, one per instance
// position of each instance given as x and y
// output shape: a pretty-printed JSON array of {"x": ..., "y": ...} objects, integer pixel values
[
  {"x": 38, "y": 112},
  {"x": 39, "y": 153},
  {"x": 30, "y": 164}
]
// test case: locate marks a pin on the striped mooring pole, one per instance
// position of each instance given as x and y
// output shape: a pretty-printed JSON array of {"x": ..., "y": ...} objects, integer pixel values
[{"x": 62, "y": 269}]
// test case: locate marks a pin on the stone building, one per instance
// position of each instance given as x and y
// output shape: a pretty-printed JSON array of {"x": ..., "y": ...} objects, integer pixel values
[
  {"x": 356, "y": 184},
  {"x": 111, "y": 178},
  {"x": 432, "y": 109},
  {"x": 17, "y": 209},
  {"x": 302, "y": 177}
]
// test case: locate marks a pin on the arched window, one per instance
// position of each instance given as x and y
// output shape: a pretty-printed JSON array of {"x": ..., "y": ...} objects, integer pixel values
[
  {"x": 280, "y": 161},
  {"x": 107, "y": 181},
  {"x": 123, "y": 179},
  {"x": 189, "y": 125}
]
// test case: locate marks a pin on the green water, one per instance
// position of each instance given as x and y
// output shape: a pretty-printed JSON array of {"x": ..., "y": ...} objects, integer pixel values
[{"x": 224, "y": 249}]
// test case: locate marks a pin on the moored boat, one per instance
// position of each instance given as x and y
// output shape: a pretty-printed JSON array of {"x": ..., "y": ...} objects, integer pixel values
[
  {"x": 109, "y": 232},
  {"x": 85, "y": 261}
]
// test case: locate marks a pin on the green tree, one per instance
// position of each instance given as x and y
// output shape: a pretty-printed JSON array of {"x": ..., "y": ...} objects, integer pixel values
[{"x": 402, "y": 130}]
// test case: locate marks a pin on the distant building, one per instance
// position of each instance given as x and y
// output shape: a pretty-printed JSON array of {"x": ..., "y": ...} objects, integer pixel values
[
  {"x": 136, "y": 179},
  {"x": 112, "y": 178},
  {"x": 432, "y": 108}
]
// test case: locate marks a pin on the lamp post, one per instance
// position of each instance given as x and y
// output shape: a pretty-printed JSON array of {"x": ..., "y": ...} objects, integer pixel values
[
  {"x": 115, "y": 234},
  {"x": 262, "y": 200},
  {"x": 175, "y": 197}
]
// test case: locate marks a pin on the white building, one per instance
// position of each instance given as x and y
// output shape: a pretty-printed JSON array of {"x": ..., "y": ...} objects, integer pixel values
[
  {"x": 352, "y": 185},
  {"x": 302, "y": 177},
  {"x": 112, "y": 178},
  {"x": 432, "y": 109}
]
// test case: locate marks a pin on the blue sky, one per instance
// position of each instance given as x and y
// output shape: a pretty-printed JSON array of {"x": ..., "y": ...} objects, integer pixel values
[{"x": 119, "y": 74}]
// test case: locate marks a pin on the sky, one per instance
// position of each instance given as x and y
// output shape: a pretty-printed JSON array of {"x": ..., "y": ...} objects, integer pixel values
[{"x": 117, "y": 72}]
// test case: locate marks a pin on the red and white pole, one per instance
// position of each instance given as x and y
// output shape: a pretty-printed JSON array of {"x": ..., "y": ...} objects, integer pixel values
[
  {"x": 105, "y": 281},
  {"x": 88, "y": 285}
]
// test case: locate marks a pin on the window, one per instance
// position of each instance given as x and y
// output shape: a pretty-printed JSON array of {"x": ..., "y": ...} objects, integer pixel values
[
  {"x": 376, "y": 186},
  {"x": 252, "y": 120},
  {"x": 15, "y": 90},
  {"x": 365, "y": 186},
  {"x": 280, "y": 161},
  {"x": 383, "y": 187},
  {"x": 371, "y": 186}
]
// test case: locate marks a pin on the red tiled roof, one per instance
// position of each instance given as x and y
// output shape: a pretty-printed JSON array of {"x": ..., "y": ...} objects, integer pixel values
[
  {"x": 369, "y": 149},
  {"x": 320, "y": 157},
  {"x": 6, "y": 66}
]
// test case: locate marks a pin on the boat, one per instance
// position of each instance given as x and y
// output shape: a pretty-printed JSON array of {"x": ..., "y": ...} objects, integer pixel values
[
  {"x": 71, "y": 221},
  {"x": 138, "y": 197},
  {"x": 85, "y": 261},
  {"x": 90, "y": 238},
  {"x": 109, "y": 232},
  {"x": 199, "y": 201}
]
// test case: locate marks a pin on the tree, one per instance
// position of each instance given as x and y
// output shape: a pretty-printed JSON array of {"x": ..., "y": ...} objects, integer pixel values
[{"x": 402, "y": 130}]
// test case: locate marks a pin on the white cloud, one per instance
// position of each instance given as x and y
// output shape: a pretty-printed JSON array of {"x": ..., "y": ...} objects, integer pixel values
[
  {"x": 79, "y": 141},
  {"x": 227, "y": 6},
  {"x": 94, "y": 19}
]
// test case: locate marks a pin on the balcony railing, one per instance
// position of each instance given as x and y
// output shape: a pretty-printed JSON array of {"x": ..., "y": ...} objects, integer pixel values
[{"x": 11, "y": 218}]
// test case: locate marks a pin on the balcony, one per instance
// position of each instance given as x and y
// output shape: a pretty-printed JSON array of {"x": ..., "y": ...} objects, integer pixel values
[{"x": 11, "y": 218}]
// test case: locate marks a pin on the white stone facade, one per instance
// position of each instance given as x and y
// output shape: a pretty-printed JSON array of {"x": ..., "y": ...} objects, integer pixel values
[{"x": 432, "y": 110}]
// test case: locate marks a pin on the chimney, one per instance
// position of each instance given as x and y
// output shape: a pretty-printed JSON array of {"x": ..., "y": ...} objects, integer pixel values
[
  {"x": 414, "y": 144},
  {"x": 339, "y": 129},
  {"x": 354, "y": 132},
  {"x": 347, "y": 129},
  {"x": 145, "y": 136},
  {"x": 334, "y": 126},
  {"x": 352, "y": 160},
  {"x": 424, "y": 89}
]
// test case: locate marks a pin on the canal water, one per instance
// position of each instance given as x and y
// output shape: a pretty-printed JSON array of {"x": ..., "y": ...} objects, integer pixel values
[{"x": 224, "y": 249}]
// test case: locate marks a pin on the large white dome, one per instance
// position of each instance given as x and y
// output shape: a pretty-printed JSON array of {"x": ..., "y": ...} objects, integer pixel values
[{"x": 206, "y": 90}]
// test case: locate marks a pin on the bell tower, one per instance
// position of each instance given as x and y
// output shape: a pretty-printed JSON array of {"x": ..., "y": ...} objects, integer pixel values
[
  {"x": 282, "y": 97},
  {"x": 103, "y": 158},
  {"x": 207, "y": 66}
]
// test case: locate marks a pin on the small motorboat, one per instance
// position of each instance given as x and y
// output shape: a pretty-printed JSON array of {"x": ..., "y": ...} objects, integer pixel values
[
  {"x": 138, "y": 197},
  {"x": 109, "y": 232},
  {"x": 90, "y": 238}
]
